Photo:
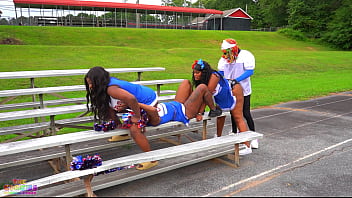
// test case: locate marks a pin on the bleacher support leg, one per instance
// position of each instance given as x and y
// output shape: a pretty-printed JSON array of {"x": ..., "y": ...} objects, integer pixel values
[
  {"x": 237, "y": 154},
  {"x": 68, "y": 156},
  {"x": 204, "y": 132}
]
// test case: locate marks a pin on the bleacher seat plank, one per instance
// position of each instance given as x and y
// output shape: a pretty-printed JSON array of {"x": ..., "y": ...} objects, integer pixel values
[
  {"x": 43, "y": 125},
  {"x": 119, "y": 177},
  {"x": 66, "y": 101},
  {"x": 15, "y": 115},
  {"x": 45, "y": 90},
  {"x": 45, "y": 102},
  {"x": 56, "y": 140},
  {"x": 70, "y": 72}
]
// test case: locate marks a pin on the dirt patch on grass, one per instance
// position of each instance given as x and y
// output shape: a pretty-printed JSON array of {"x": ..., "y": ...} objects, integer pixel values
[
  {"x": 11, "y": 41},
  {"x": 311, "y": 48}
]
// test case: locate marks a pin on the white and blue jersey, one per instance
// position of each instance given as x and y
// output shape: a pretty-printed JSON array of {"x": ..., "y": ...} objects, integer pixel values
[
  {"x": 172, "y": 111},
  {"x": 142, "y": 93},
  {"x": 223, "y": 94}
]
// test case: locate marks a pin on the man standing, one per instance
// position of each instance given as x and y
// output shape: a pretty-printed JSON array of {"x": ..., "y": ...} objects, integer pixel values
[{"x": 238, "y": 65}]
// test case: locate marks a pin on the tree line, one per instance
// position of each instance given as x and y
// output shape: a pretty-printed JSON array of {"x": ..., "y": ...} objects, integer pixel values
[{"x": 329, "y": 21}]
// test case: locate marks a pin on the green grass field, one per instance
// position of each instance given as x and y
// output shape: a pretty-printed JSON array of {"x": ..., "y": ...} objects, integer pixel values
[{"x": 286, "y": 70}]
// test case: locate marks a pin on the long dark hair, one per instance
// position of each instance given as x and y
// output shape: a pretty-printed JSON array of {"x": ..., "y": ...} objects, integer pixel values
[
  {"x": 97, "y": 96},
  {"x": 206, "y": 70}
]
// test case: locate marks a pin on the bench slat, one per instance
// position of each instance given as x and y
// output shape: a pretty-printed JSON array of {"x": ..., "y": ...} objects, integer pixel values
[
  {"x": 62, "y": 101},
  {"x": 43, "y": 125},
  {"x": 15, "y": 115},
  {"x": 70, "y": 72},
  {"x": 100, "y": 182},
  {"x": 44, "y": 90},
  {"x": 56, "y": 140},
  {"x": 46, "y": 103}
]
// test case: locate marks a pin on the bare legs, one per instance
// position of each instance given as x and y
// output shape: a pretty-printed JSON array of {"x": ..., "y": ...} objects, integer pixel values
[
  {"x": 139, "y": 138},
  {"x": 236, "y": 113},
  {"x": 184, "y": 91},
  {"x": 88, "y": 185},
  {"x": 194, "y": 100},
  {"x": 143, "y": 143},
  {"x": 220, "y": 122}
]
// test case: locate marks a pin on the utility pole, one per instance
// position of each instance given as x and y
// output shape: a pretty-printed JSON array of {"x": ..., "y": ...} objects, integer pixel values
[{"x": 138, "y": 17}]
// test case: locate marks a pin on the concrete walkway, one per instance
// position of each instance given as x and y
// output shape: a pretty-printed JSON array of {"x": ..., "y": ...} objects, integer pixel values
[{"x": 306, "y": 151}]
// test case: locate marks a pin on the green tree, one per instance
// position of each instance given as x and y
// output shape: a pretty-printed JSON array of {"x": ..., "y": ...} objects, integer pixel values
[
  {"x": 311, "y": 16},
  {"x": 274, "y": 12},
  {"x": 178, "y": 3},
  {"x": 4, "y": 22},
  {"x": 339, "y": 29}
]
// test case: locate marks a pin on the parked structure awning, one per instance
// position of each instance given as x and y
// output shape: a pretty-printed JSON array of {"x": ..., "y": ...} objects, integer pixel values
[{"x": 111, "y": 6}]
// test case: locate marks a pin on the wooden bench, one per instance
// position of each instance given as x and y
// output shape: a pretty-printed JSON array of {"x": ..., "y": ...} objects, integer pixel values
[{"x": 174, "y": 152}]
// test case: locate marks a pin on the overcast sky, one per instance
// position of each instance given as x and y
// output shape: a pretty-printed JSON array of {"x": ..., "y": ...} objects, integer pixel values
[{"x": 8, "y": 10}]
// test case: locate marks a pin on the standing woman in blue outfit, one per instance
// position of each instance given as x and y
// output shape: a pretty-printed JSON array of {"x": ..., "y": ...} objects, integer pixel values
[
  {"x": 105, "y": 94},
  {"x": 227, "y": 96}
]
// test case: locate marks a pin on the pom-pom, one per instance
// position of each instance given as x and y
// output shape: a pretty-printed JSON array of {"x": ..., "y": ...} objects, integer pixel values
[
  {"x": 79, "y": 163},
  {"x": 105, "y": 126}
]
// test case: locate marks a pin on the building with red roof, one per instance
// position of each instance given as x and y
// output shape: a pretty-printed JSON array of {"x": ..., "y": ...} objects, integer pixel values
[{"x": 112, "y": 14}]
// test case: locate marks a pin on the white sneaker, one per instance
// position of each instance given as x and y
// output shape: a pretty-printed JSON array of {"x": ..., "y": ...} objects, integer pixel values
[
  {"x": 255, "y": 144},
  {"x": 244, "y": 150},
  {"x": 232, "y": 133}
]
